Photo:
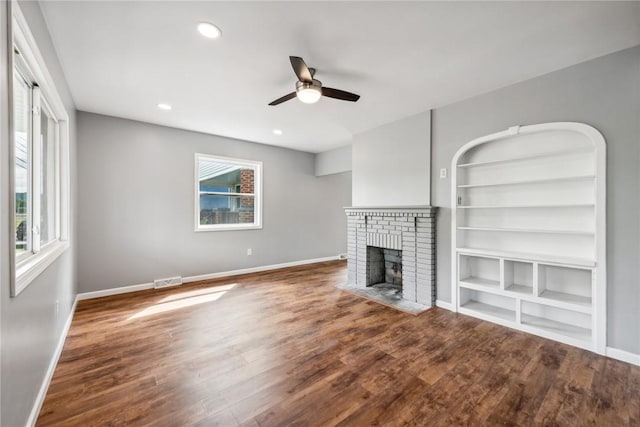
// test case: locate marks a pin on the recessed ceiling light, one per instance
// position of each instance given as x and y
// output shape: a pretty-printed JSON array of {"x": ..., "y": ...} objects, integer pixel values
[
  {"x": 209, "y": 30},
  {"x": 165, "y": 107},
  {"x": 277, "y": 132}
]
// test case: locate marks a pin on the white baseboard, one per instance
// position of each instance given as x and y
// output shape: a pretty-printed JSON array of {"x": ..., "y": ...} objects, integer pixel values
[
  {"x": 623, "y": 356},
  {"x": 190, "y": 279},
  {"x": 257, "y": 269},
  {"x": 115, "y": 291},
  {"x": 42, "y": 393},
  {"x": 445, "y": 305}
]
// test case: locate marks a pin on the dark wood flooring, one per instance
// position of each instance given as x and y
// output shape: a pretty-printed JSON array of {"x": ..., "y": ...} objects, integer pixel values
[{"x": 287, "y": 348}]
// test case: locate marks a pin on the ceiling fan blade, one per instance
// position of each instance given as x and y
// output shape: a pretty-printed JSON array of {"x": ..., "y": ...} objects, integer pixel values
[
  {"x": 301, "y": 69},
  {"x": 339, "y": 94},
  {"x": 283, "y": 99}
]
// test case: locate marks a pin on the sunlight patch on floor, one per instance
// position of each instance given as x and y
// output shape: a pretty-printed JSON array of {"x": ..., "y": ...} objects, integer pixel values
[{"x": 184, "y": 299}]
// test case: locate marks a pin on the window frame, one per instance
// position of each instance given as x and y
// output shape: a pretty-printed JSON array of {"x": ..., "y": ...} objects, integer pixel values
[
  {"x": 21, "y": 73},
  {"x": 31, "y": 66},
  {"x": 257, "y": 194}
]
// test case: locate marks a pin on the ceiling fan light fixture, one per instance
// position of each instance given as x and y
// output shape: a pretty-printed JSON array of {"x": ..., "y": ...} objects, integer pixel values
[{"x": 309, "y": 93}]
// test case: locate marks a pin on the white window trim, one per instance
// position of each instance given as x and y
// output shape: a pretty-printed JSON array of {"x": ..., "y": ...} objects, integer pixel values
[
  {"x": 28, "y": 268},
  {"x": 257, "y": 195}
]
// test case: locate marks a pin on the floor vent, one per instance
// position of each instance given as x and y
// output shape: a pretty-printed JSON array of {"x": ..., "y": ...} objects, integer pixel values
[{"x": 166, "y": 282}]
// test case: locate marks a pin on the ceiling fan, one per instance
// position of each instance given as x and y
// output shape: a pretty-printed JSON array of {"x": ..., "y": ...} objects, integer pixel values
[{"x": 308, "y": 89}]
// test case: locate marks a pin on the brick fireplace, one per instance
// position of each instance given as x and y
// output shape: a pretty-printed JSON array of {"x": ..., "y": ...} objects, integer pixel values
[{"x": 391, "y": 255}]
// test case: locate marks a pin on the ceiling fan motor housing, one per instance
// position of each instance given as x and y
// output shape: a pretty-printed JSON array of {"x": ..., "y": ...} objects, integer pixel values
[{"x": 315, "y": 84}]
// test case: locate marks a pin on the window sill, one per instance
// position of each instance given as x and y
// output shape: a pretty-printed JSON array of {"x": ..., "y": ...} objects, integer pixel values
[
  {"x": 32, "y": 267},
  {"x": 230, "y": 227}
]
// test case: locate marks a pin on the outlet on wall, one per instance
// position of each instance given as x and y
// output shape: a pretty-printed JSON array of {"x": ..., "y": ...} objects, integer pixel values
[
  {"x": 443, "y": 173},
  {"x": 249, "y": 251}
]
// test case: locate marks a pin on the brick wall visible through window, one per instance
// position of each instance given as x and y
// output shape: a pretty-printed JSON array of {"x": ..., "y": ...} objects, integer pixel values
[{"x": 247, "y": 185}]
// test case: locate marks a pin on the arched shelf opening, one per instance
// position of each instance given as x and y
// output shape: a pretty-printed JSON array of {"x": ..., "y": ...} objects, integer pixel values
[{"x": 529, "y": 232}]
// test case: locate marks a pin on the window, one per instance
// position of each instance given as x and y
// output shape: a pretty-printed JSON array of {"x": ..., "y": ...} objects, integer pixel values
[
  {"x": 35, "y": 155},
  {"x": 39, "y": 161},
  {"x": 227, "y": 193}
]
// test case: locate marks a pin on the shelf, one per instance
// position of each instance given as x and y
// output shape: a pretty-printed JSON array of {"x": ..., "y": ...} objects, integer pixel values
[
  {"x": 556, "y": 327},
  {"x": 514, "y": 291},
  {"x": 530, "y": 181},
  {"x": 478, "y": 283},
  {"x": 520, "y": 289},
  {"x": 521, "y": 256},
  {"x": 528, "y": 230},
  {"x": 561, "y": 297},
  {"x": 490, "y": 310},
  {"x": 565, "y": 205},
  {"x": 493, "y": 287},
  {"x": 527, "y": 157},
  {"x": 525, "y": 293}
]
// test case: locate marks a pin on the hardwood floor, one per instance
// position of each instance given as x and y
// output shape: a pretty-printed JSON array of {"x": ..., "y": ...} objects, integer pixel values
[{"x": 287, "y": 348}]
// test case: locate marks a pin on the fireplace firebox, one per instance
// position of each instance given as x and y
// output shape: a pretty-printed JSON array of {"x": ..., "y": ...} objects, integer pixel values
[{"x": 384, "y": 266}]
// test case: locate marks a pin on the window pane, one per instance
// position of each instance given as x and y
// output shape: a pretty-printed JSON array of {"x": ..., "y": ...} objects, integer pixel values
[
  {"x": 220, "y": 209},
  {"x": 225, "y": 178},
  {"x": 47, "y": 179},
  {"x": 22, "y": 126}
]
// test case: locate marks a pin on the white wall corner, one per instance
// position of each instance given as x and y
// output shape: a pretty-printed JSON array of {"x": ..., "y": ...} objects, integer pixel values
[
  {"x": 445, "y": 305},
  {"x": 333, "y": 161}
]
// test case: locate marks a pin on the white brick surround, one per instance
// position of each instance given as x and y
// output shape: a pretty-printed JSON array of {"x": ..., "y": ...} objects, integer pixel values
[{"x": 411, "y": 230}]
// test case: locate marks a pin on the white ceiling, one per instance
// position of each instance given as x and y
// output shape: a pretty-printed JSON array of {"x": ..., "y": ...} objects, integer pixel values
[{"x": 122, "y": 58}]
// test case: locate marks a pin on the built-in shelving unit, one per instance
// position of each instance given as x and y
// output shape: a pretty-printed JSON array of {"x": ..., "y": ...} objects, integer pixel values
[{"x": 529, "y": 232}]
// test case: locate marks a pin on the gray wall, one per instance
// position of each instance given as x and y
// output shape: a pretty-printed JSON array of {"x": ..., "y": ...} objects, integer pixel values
[
  {"x": 30, "y": 328},
  {"x": 333, "y": 161},
  {"x": 391, "y": 164},
  {"x": 136, "y": 216},
  {"x": 604, "y": 93}
]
